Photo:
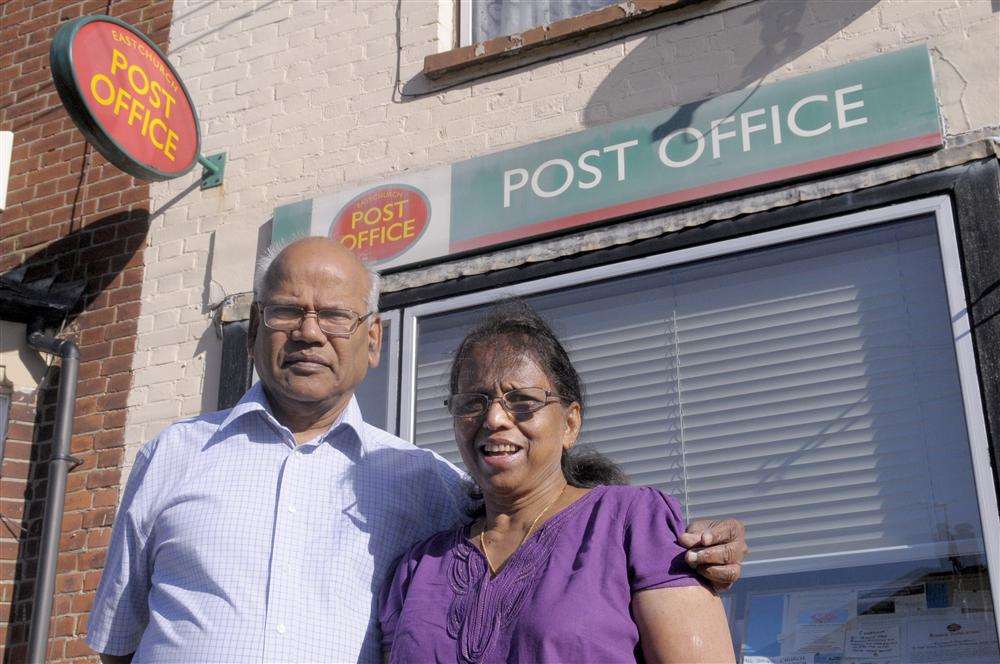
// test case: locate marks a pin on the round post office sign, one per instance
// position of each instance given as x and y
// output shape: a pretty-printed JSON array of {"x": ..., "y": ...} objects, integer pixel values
[
  {"x": 126, "y": 97},
  {"x": 382, "y": 222}
]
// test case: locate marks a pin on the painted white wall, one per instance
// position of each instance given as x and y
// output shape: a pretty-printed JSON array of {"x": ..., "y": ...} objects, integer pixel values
[
  {"x": 24, "y": 367},
  {"x": 300, "y": 95}
]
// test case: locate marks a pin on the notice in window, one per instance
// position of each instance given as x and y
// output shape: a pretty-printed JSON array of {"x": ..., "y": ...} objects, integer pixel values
[
  {"x": 800, "y": 658},
  {"x": 873, "y": 643},
  {"x": 951, "y": 638},
  {"x": 820, "y": 619}
]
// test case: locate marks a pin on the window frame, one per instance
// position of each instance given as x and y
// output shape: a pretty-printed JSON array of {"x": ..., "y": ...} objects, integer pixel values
[
  {"x": 391, "y": 346},
  {"x": 390, "y": 355},
  {"x": 464, "y": 23},
  {"x": 940, "y": 206},
  {"x": 467, "y": 59}
]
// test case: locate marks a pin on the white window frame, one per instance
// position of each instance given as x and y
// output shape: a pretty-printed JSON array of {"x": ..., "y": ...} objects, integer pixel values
[
  {"x": 391, "y": 347},
  {"x": 464, "y": 22},
  {"x": 939, "y": 206}
]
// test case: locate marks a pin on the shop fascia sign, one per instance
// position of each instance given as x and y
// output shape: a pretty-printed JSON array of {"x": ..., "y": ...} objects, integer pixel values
[
  {"x": 816, "y": 123},
  {"x": 128, "y": 100}
]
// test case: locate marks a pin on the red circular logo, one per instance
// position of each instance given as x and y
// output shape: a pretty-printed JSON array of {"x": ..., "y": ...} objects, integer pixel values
[
  {"x": 133, "y": 94},
  {"x": 382, "y": 222}
]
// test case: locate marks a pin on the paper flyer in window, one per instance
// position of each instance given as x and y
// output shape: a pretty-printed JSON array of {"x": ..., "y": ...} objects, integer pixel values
[
  {"x": 955, "y": 637},
  {"x": 872, "y": 643},
  {"x": 820, "y": 618}
]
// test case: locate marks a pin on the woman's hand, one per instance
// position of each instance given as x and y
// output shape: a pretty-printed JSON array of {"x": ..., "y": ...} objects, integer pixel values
[
  {"x": 716, "y": 551},
  {"x": 685, "y": 624}
]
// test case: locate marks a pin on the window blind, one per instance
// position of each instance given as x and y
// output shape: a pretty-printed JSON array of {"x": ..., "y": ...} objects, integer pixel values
[{"x": 810, "y": 390}]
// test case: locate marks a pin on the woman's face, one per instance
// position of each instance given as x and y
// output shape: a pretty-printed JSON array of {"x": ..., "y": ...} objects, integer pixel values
[{"x": 511, "y": 456}]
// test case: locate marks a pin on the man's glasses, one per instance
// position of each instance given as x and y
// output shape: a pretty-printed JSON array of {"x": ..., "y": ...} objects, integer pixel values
[
  {"x": 332, "y": 322},
  {"x": 519, "y": 402}
]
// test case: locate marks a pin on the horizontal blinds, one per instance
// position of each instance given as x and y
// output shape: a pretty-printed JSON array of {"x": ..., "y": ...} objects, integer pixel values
[{"x": 810, "y": 390}]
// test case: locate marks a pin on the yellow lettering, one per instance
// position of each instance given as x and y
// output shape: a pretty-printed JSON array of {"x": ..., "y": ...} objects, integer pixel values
[
  {"x": 154, "y": 95},
  {"x": 170, "y": 101},
  {"x": 387, "y": 214},
  {"x": 394, "y": 237},
  {"x": 145, "y": 79},
  {"x": 171, "y": 145},
  {"x": 152, "y": 136},
  {"x": 118, "y": 61},
  {"x": 378, "y": 223},
  {"x": 103, "y": 101},
  {"x": 120, "y": 102},
  {"x": 135, "y": 111}
]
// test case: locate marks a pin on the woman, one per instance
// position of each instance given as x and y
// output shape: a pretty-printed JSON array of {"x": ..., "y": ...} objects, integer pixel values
[{"x": 560, "y": 565}]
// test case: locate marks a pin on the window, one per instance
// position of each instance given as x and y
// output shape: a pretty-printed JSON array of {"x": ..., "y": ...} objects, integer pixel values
[
  {"x": 486, "y": 19},
  {"x": 811, "y": 388},
  {"x": 377, "y": 392}
]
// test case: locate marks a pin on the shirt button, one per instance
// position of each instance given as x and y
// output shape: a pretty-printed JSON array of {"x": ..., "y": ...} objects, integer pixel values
[
  {"x": 291, "y": 509},
  {"x": 280, "y": 628},
  {"x": 299, "y": 451}
]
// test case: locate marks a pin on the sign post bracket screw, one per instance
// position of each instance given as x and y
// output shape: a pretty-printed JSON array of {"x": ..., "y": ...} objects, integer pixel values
[{"x": 215, "y": 169}]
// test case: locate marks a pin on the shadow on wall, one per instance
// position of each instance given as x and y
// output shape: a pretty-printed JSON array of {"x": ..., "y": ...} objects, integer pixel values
[
  {"x": 102, "y": 258},
  {"x": 210, "y": 341},
  {"x": 708, "y": 56}
]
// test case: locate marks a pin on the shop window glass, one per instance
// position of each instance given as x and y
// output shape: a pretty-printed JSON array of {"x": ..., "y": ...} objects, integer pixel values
[
  {"x": 811, "y": 390},
  {"x": 496, "y": 18},
  {"x": 375, "y": 393}
]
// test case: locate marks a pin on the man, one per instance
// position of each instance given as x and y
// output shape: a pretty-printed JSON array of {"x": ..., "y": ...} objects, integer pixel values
[{"x": 264, "y": 532}]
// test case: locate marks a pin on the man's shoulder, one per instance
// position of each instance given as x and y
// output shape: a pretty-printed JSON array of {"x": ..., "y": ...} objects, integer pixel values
[
  {"x": 376, "y": 438},
  {"x": 385, "y": 449},
  {"x": 185, "y": 436}
]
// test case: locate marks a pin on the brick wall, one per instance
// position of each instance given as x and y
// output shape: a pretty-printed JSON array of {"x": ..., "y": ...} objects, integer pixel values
[{"x": 73, "y": 217}]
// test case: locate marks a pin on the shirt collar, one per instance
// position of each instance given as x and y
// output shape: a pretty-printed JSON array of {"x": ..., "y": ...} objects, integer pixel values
[{"x": 255, "y": 401}]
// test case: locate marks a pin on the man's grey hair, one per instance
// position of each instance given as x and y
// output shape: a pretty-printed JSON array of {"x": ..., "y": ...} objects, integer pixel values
[{"x": 266, "y": 260}]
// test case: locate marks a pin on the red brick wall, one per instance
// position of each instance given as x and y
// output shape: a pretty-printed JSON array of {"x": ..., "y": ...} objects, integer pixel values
[{"x": 73, "y": 216}]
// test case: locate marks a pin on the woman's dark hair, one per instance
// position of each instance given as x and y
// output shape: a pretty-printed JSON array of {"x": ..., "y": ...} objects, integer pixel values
[{"x": 513, "y": 326}]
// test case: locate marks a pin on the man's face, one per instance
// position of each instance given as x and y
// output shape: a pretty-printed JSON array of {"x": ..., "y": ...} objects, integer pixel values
[{"x": 304, "y": 368}]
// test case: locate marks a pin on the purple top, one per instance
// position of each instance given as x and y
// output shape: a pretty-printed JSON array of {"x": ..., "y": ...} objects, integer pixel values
[{"x": 563, "y": 596}]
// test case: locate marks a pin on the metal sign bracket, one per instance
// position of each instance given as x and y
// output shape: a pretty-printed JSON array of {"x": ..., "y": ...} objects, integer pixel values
[{"x": 215, "y": 170}]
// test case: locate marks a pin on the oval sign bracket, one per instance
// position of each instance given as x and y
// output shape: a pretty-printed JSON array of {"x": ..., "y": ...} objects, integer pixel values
[{"x": 215, "y": 169}]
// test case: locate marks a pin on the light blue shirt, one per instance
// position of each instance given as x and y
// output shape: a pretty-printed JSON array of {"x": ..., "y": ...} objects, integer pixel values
[{"x": 233, "y": 544}]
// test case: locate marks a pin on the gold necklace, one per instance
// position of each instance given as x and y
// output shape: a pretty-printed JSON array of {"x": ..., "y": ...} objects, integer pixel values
[{"x": 482, "y": 540}]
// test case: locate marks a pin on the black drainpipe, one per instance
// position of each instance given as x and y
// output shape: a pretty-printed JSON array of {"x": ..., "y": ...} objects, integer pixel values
[{"x": 60, "y": 464}]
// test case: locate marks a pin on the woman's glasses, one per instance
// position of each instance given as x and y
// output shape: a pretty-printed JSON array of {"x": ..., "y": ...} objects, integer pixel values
[{"x": 520, "y": 401}]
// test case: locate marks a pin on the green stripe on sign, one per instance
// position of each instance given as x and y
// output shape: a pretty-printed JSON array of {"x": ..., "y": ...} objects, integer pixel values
[
  {"x": 819, "y": 122},
  {"x": 291, "y": 221}
]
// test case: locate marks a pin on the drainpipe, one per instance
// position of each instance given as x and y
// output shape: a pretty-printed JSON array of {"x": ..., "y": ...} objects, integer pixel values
[{"x": 60, "y": 464}]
